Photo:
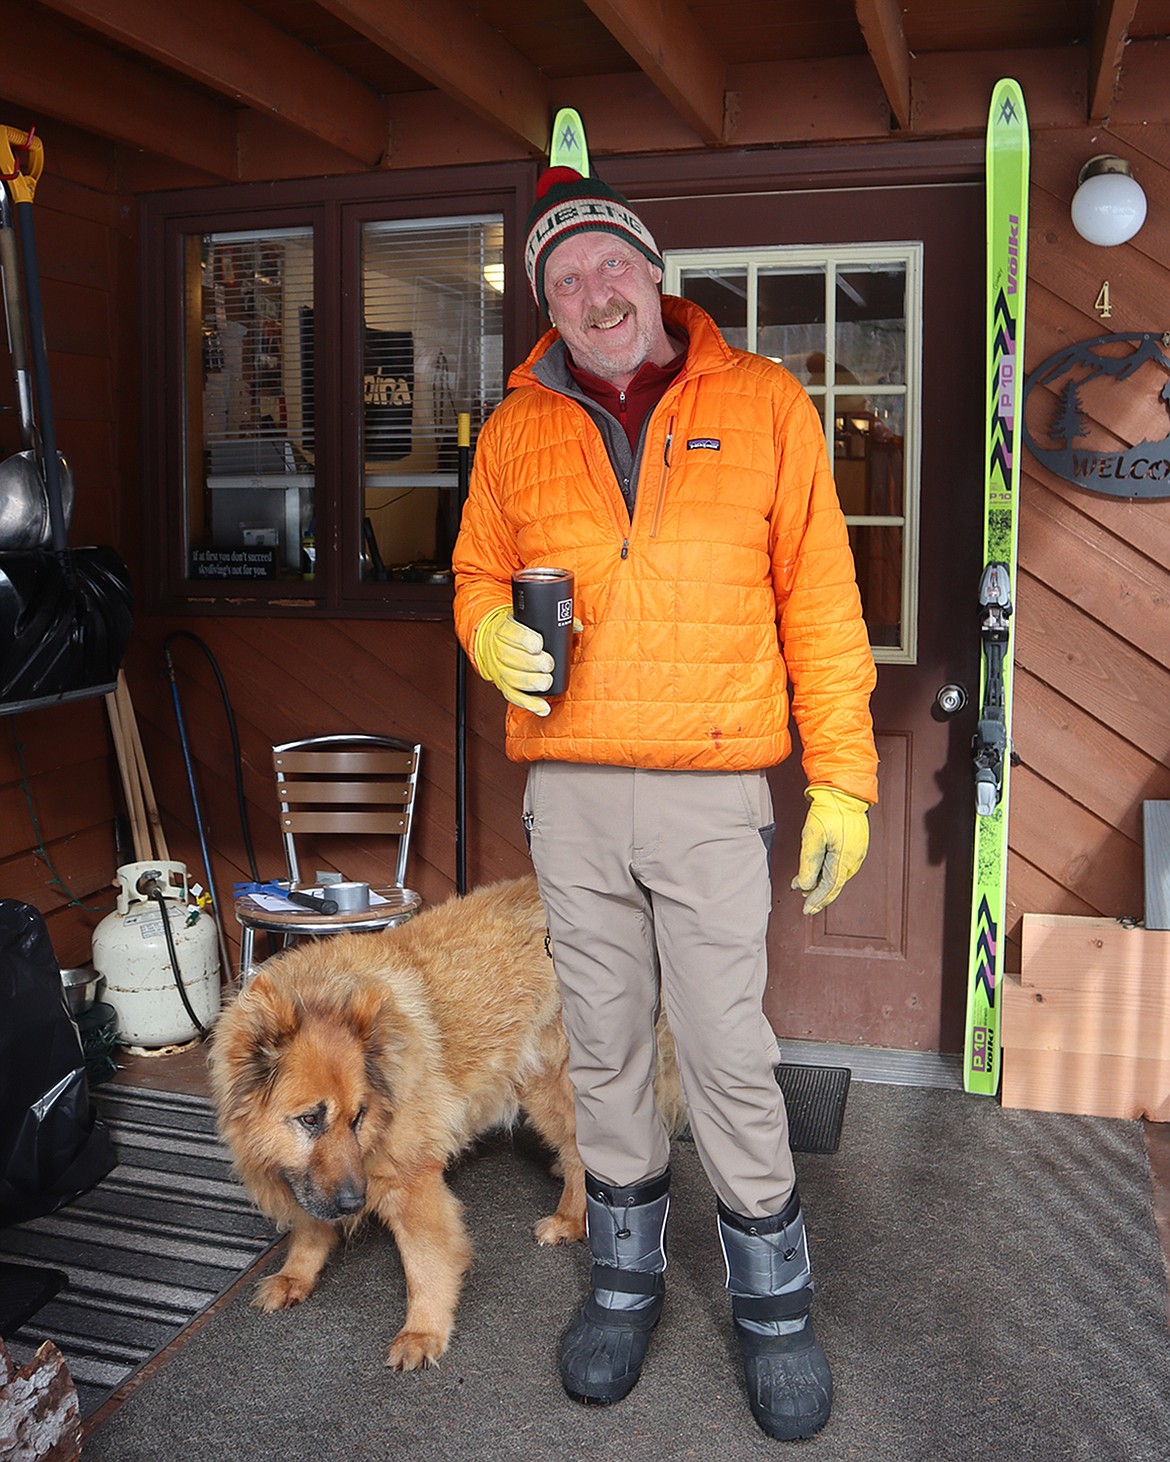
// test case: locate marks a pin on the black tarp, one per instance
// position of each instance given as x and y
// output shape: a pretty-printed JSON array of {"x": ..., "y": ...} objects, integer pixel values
[{"x": 52, "y": 1146}]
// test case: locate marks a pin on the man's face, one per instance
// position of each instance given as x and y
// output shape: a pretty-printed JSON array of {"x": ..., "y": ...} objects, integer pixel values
[{"x": 603, "y": 298}]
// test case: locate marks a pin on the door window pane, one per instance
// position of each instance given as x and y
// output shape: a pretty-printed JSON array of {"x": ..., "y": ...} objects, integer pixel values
[
  {"x": 248, "y": 305},
  {"x": 791, "y": 313},
  {"x": 868, "y": 455},
  {"x": 432, "y": 348},
  {"x": 724, "y": 295},
  {"x": 877, "y": 553},
  {"x": 871, "y": 324}
]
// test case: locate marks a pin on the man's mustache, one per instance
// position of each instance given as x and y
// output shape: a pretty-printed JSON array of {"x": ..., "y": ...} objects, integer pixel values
[{"x": 616, "y": 306}]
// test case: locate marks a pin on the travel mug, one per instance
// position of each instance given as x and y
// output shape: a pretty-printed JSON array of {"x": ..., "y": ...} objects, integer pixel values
[{"x": 542, "y": 599}]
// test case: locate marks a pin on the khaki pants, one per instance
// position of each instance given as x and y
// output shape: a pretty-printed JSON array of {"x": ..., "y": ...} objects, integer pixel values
[{"x": 656, "y": 887}]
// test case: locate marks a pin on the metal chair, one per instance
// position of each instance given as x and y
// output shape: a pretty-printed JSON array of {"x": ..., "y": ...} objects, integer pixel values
[{"x": 334, "y": 788}]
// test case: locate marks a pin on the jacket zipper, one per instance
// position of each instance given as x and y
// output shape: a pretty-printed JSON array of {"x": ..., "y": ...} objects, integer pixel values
[{"x": 665, "y": 473}]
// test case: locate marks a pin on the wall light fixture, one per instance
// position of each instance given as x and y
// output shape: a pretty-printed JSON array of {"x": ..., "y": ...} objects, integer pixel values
[{"x": 1109, "y": 206}]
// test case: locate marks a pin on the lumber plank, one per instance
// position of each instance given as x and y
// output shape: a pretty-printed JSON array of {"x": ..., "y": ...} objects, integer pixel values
[
  {"x": 1052, "y": 1081},
  {"x": 1086, "y": 1025}
]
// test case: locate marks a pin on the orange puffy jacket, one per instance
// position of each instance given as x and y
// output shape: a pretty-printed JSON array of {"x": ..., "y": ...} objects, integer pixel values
[{"x": 732, "y": 587}]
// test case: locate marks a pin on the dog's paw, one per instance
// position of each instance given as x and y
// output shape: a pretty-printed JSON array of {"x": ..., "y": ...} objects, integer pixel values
[
  {"x": 281, "y": 1292},
  {"x": 557, "y": 1229},
  {"x": 414, "y": 1350}
]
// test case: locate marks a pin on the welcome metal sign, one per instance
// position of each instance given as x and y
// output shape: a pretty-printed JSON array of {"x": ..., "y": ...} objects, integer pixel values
[{"x": 1106, "y": 410}]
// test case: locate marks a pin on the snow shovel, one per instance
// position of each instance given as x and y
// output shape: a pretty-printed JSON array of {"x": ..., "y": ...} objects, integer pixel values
[
  {"x": 65, "y": 614},
  {"x": 24, "y": 498}
]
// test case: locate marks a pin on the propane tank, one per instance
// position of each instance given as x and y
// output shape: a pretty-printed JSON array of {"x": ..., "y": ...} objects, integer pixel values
[{"x": 131, "y": 951}]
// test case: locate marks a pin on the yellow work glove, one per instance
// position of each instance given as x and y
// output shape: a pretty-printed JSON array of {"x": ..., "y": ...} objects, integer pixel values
[
  {"x": 833, "y": 845},
  {"x": 513, "y": 657}
]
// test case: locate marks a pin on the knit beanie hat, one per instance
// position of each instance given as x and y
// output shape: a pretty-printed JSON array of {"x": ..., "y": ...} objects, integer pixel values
[{"x": 567, "y": 204}]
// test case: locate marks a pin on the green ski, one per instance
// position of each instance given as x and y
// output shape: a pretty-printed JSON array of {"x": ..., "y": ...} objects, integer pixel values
[
  {"x": 1007, "y": 236},
  {"x": 569, "y": 148}
]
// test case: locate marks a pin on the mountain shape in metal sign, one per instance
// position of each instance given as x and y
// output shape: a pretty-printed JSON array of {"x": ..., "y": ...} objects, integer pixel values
[{"x": 1084, "y": 378}]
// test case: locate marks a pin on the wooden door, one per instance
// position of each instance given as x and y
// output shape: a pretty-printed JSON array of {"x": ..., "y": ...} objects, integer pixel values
[{"x": 886, "y": 964}]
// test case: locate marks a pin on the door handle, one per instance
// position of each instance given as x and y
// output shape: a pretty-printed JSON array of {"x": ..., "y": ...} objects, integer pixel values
[{"x": 950, "y": 699}]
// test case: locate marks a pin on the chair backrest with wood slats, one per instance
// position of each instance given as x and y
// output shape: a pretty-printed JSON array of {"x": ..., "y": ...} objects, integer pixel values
[{"x": 347, "y": 784}]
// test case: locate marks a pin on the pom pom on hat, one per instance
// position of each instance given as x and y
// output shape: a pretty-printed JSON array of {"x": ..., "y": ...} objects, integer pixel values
[
  {"x": 551, "y": 177},
  {"x": 567, "y": 204}
]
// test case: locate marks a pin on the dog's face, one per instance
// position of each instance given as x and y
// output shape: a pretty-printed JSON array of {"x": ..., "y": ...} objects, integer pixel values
[
  {"x": 307, "y": 1095},
  {"x": 320, "y": 1101}
]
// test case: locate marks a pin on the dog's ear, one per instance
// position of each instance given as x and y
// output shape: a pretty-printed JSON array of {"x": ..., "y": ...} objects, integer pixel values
[
  {"x": 362, "y": 1012},
  {"x": 377, "y": 1024},
  {"x": 274, "y": 1015},
  {"x": 265, "y": 1020},
  {"x": 376, "y": 1021}
]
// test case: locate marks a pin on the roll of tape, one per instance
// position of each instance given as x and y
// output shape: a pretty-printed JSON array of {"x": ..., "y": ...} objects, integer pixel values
[{"x": 351, "y": 898}]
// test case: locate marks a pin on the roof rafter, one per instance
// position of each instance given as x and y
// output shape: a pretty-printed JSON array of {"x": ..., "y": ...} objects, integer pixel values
[
  {"x": 1111, "y": 24},
  {"x": 668, "y": 44},
  {"x": 57, "y": 73},
  {"x": 881, "y": 25},
  {"x": 230, "y": 49},
  {"x": 454, "y": 50}
]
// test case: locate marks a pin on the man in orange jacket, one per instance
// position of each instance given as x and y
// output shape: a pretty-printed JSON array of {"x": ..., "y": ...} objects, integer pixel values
[{"x": 687, "y": 486}]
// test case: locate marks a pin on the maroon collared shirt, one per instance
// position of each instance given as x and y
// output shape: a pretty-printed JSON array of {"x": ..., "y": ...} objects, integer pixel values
[{"x": 631, "y": 406}]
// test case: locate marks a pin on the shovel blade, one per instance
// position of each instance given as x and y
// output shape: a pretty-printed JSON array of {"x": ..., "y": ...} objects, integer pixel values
[{"x": 65, "y": 620}]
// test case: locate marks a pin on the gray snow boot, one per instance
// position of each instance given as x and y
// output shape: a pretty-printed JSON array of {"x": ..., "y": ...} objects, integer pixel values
[
  {"x": 789, "y": 1385},
  {"x": 601, "y": 1353}
]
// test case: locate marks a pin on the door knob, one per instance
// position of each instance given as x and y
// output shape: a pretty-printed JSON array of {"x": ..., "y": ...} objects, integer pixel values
[{"x": 950, "y": 699}]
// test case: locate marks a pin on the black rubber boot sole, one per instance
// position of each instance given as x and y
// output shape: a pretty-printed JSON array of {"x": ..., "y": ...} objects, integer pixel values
[
  {"x": 789, "y": 1384},
  {"x": 602, "y": 1352}
]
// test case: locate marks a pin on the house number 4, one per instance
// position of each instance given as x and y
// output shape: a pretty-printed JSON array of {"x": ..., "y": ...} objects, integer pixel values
[{"x": 1102, "y": 304}]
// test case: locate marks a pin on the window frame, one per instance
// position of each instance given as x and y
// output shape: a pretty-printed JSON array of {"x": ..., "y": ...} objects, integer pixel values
[
  {"x": 335, "y": 209},
  {"x": 354, "y": 216},
  {"x": 835, "y": 259}
]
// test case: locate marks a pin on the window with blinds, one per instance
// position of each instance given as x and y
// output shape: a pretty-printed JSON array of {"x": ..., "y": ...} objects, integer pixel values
[
  {"x": 250, "y": 447},
  {"x": 432, "y": 324},
  {"x": 266, "y": 465}
]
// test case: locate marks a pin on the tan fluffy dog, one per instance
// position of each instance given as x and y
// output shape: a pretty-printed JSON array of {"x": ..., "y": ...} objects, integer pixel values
[{"x": 352, "y": 1070}]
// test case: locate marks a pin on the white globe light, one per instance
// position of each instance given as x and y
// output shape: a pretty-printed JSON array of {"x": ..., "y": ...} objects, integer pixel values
[{"x": 1109, "y": 207}]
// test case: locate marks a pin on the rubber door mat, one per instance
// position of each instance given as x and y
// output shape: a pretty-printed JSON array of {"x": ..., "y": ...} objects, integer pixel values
[{"x": 815, "y": 1097}]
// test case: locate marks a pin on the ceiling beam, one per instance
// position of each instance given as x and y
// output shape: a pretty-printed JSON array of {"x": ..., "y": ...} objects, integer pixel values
[
  {"x": 1111, "y": 23},
  {"x": 881, "y": 25},
  {"x": 450, "y": 47},
  {"x": 230, "y": 49},
  {"x": 55, "y": 72},
  {"x": 666, "y": 41}
]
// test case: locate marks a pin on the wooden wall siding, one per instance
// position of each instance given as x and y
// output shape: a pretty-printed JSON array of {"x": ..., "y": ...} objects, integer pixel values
[
  {"x": 1092, "y": 721},
  {"x": 86, "y": 255},
  {"x": 290, "y": 678},
  {"x": 58, "y": 844},
  {"x": 59, "y": 801}
]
